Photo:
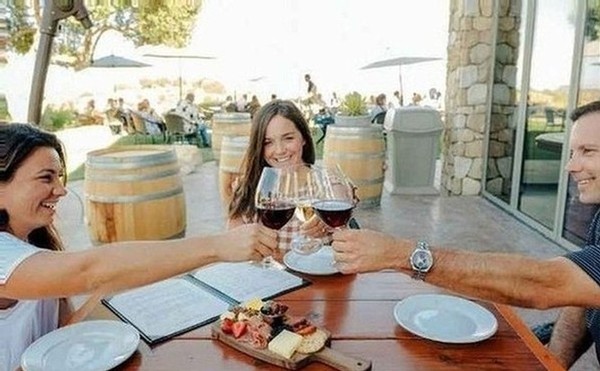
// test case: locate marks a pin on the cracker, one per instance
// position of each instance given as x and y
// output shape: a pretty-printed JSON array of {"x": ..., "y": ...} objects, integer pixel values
[{"x": 313, "y": 342}]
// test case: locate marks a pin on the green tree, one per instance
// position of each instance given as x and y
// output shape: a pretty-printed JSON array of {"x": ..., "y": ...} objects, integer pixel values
[{"x": 151, "y": 22}]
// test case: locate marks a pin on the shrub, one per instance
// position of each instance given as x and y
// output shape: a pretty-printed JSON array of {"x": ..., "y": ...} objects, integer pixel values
[
  {"x": 353, "y": 104},
  {"x": 55, "y": 119}
]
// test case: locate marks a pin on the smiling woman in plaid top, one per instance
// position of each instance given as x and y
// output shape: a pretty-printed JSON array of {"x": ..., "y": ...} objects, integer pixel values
[{"x": 279, "y": 137}]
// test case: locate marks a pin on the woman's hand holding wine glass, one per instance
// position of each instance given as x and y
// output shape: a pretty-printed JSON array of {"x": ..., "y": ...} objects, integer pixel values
[
  {"x": 273, "y": 201},
  {"x": 305, "y": 241}
]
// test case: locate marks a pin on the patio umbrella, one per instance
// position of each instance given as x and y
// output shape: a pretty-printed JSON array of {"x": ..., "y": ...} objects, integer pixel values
[
  {"x": 179, "y": 56},
  {"x": 399, "y": 61},
  {"x": 114, "y": 61}
]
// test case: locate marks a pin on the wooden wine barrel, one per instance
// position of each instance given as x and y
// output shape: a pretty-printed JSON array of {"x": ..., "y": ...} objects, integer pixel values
[
  {"x": 360, "y": 152},
  {"x": 134, "y": 193},
  {"x": 233, "y": 150},
  {"x": 228, "y": 124}
]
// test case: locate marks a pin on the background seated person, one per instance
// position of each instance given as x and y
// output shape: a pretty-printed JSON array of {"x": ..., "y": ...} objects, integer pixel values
[
  {"x": 253, "y": 105},
  {"x": 193, "y": 123},
  {"x": 379, "y": 110},
  {"x": 124, "y": 115},
  {"x": 153, "y": 121},
  {"x": 323, "y": 119},
  {"x": 229, "y": 105},
  {"x": 240, "y": 104},
  {"x": 112, "y": 116},
  {"x": 90, "y": 115}
]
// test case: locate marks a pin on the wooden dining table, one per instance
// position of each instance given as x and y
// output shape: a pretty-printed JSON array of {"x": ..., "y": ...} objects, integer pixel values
[{"x": 358, "y": 310}]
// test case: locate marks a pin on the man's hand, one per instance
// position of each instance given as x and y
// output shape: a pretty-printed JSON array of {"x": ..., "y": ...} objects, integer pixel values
[
  {"x": 315, "y": 228},
  {"x": 366, "y": 251}
]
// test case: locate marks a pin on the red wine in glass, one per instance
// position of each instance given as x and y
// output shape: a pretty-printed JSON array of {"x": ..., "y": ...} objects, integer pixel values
[
  {"x": 276, "y": 214},
  {"x": 335, "y": 213}
]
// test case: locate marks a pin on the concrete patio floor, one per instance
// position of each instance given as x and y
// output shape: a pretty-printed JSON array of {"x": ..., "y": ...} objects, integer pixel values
[{"x": 472, "y": 223}]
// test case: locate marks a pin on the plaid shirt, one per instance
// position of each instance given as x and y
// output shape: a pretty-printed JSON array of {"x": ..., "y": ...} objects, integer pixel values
[{"x": 286, "y": 233}]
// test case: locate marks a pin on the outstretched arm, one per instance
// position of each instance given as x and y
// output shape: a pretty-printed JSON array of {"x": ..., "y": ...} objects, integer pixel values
[
  {"x": 502, "y": 278},
  {"x": 570, "y": 338},
  {"x": 124, "y": 265}
]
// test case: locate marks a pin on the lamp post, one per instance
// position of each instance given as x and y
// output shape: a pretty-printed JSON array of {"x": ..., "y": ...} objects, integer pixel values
[{"x": 54, "y": 11}]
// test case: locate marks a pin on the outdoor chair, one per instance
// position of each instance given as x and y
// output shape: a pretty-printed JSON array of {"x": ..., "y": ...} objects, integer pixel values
[
  {"x": 379, "y": 118},
  {"x": 139, "y": 127},
  {"x": 551, "y": 116},
  {"x": 175, "y": 128},
  {"x": 113, "y": 121}
]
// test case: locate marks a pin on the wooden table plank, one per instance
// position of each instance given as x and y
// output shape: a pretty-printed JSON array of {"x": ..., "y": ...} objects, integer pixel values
[
  {"x": 358, "y": 311},
  {"x": 404, "y": 354}
]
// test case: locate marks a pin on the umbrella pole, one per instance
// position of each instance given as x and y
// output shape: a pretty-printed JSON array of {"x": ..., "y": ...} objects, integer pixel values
[
  {"x": 53, "y": 13},
  {"x": 401, "y": 88},
  {"x": 180, "y": 81}
]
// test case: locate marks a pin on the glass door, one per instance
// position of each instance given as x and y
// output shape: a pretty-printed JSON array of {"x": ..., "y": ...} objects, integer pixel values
[
  {"x": 547, "y": 99},
  {"x": 577, "y": 216}
]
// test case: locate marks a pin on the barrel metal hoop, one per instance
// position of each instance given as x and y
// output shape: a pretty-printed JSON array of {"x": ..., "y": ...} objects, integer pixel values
[
  {"x": 226, "y": 152},
  {"x": 357, "y": 156},
  {"x": 368, "y": 182},
  {"x": 134, "y": 199},
  {"x": 369, "y": 202},
  {"x": 127, "y": 163},
  {"x": 357, "y": 136},
  {"x": 113, "y": 178},
  {"x": 230, "y": 169}
]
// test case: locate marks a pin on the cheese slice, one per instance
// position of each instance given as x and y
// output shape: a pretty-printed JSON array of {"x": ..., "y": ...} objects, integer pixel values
[
  {"x": 285, "y": 344},
  {"x": 254, "y": 303},
  {"x": 229, "y": 315}
]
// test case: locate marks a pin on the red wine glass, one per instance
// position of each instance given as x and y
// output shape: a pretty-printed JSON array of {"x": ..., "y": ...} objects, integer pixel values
[
  {"x": 273, "y": 201},
  {"x": 334, "y": 199}
]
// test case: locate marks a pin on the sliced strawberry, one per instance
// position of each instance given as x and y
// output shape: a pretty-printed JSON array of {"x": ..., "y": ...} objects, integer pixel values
[
  {"x": 306, "y": 330},
  {"x": 227, "y": 325},
  {"x": 239, "y": 328}
]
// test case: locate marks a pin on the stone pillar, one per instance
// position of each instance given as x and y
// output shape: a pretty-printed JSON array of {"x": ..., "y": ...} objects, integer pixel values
[
  {"x": 503, "y": 120},
  {"x": 467, "y": 90}
]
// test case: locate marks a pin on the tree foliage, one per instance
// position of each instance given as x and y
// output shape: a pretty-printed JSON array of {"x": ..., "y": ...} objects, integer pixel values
[
  {"x": 592, "y": 23},
  {"x": 22, "y": 28},
  {"x": 151, "y": 22}
]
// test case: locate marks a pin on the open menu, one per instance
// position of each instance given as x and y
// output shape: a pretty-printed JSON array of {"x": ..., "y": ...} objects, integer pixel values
[{"x": 171, "y": 307}]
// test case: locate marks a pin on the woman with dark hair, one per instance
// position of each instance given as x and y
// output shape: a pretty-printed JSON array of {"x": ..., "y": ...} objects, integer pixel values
[
  {"x": 36, "y": 275},
  {"x": 279, "y": 137}
]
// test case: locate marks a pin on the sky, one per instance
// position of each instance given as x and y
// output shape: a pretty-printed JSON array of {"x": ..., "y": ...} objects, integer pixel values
[{"x": 266, "y": 46}]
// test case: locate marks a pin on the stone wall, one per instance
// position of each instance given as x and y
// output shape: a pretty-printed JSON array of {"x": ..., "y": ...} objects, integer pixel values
[
  {"x": 503, "y": 120},
  {"x": 470, "y": 52}
]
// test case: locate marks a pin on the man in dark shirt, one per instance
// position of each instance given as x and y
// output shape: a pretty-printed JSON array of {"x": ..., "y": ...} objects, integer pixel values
[
  {"x": 571, "y": 281},
  {"x": 311, "y": 89}
]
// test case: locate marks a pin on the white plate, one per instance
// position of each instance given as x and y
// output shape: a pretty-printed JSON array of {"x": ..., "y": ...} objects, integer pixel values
[
  {"x": 445, "y": 318},
  {"x": 89, "y": 345},
  {"x": 318, "y": 264}
]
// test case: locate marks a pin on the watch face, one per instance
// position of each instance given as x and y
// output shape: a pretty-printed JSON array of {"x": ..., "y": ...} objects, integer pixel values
[{"x": 422, "y": 260}]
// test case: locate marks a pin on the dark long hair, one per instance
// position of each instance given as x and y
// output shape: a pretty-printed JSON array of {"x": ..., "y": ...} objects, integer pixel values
[
  {"x": 17, "y": 142},
  {"x": 242, "y": 204}
]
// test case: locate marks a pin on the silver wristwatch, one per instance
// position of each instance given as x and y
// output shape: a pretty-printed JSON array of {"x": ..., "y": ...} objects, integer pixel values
[{"x": 421, "y": 260}]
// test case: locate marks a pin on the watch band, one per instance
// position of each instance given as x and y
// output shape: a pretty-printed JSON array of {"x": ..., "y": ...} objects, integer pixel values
[{"x": 419, "y": 273}]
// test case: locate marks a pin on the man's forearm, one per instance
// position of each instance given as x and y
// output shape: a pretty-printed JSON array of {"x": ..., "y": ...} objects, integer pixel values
[
  {"x": 570, "y": 338},
  {"x": 502, "y": 278}
]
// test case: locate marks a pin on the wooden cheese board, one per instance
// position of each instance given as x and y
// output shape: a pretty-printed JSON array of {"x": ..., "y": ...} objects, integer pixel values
[{"x": 326, "y": 355}]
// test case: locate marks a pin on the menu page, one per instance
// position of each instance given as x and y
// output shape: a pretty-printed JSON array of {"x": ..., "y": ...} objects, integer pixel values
[
  {"x": 167, "y": 307},
  {"x": 245, "y": 281}
]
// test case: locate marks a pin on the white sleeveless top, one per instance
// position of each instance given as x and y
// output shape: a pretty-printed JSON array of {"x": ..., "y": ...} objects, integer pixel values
[{"x": 28, "y": 320}]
